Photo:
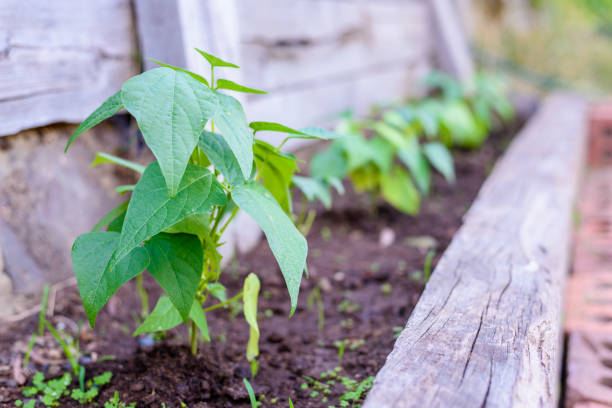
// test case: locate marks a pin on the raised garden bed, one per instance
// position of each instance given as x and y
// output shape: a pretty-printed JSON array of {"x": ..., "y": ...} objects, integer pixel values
[
  {"x": 488, "y": 330},
  {"x": 368, "y": 270}
]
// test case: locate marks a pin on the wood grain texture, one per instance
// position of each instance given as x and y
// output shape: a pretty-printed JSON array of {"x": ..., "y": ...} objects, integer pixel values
[
  {"x": 452, "y": 46},
  {"x": 301, "y": 42},
  {"x": 487, "y": 329},
  {"x": 59, "y": 60}
]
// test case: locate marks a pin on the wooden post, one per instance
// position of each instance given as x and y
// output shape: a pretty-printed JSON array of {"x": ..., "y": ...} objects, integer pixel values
[
  {"x": 487, "y": 330},
  {"x": 452, "y": 48}
]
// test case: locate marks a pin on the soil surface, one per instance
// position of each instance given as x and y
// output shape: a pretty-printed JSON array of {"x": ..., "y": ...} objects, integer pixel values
[{"x": 367, "y": 265}]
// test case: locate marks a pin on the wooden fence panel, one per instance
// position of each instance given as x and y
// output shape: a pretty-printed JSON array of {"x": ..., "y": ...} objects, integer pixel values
[{"x": 60, "y": 59}]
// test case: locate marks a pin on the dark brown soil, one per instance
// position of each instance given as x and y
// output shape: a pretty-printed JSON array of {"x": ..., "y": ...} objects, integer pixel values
[{"x": 368, "y": 292}]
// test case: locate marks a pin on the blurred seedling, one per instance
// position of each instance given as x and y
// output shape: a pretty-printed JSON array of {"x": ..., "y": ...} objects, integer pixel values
[
  {"x": 114, "y": 402},
  {"x": 427, "y": 265},
  {"x": 347, "y": 323},
  {"x": 50, "y": 392},
  {"x": 69, "y": 345},
  {"x": 346, "y": 306},
  {"x": 315, "y": 297},
  {"x": 326, "y": 233},
  {"x": 386, "y": 289},
  {"x": 397, "y": 331},
  {"x": 252, "y": 398}
]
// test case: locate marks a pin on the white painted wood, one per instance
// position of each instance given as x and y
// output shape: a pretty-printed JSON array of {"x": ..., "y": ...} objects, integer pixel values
[
  {"x": 159, "y": 33},
  {"x": 452, "y": 47},
  {"x": 487, "y": 330},
  {"x": 300, "y": 42},
  {"x": 59, "y": 60},
  {"x": 320, "y": 102}
]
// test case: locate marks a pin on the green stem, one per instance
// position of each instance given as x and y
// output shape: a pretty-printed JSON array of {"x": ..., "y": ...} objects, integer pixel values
[
  {"x": 74, "y": 364},
  {"x": 144, "y": 297},
  {"x": 222, "y": 304},
  {"x": 234, "y": 212},
  {"x": 42, "y": 315},
  {"x": 218, "y": 218},
  {"x": 280, "y": 146},
  {"x": 193, "y": 338},
  {"x": 302, "y": 215}
]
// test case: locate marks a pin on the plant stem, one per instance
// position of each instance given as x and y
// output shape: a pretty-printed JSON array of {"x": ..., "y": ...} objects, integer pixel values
[
  {"x": 234, "y": 212},
  {"x": 221, "y": 304},
  {"x": 218, "y": 217},
  {"x": 302, "y": 215},
  {"x": 42, "y": 315},
  {"x": 193, "y": 338},
  {"x": 74, "y": 363},
  {"x": 144, "y": 297}
]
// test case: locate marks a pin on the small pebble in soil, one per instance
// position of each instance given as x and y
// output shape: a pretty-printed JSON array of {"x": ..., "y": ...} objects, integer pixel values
[
  {"x": 136, "y": 387},
  {"x": 325, "y": 285},
  {"x": 146, "y": 341},
  {"x": 386, "y": 237}
]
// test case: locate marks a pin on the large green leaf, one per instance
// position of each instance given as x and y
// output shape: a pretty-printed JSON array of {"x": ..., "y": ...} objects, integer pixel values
[
  {"x": 216, "y": 61},
  {"x": 288, "y": 245},
  {"x": 466, "y": 130},
  {"x": 250, "y": 294},
  {"x": 313, "y": 132},
  {"x": 171, "y": 109},
  {"x": 412, "y": 157},
  {"x": 441, "y": 159},
  {"x": 276, "y": 169},
  {"x": 391, "y": 134},
  {"x": 176, "y": 264},
  {"x": 357, "y": 150},
  {"x": 382, "y": 153},
  {"x": 331, "y": 162},
  {"x": 102, "y": 158},
  {"x": 105, "y": 111},
  {"x": 165, "y": 317},
  {"x": 398, "y": 190},
  {"x": 232, "y": 123},
  {"x": 221, "y": 156},
  {"x": 273, "y": 127},
  {"x": 428, "y": 117},
  {"x": 314, "y": 189},
  {"x": 152, "y": 211},
  {"x": 97, "y": 282},
  {"x": 232, "y": 86}
]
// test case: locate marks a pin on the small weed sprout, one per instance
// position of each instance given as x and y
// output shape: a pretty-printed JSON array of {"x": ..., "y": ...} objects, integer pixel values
[
  {"x": 427, "y": 265},
  {"x": 252, "y": 398},
  {"x": 315, "y": 297}
]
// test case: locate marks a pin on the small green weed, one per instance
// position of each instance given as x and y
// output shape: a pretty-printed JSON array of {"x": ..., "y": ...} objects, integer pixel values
[
  {"x": 114, "y": 402},
  {"x": 51, "y": 391}
]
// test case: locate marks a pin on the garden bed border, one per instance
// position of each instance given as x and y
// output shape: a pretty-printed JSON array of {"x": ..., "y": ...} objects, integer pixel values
[{"x": 487, "y": 330}]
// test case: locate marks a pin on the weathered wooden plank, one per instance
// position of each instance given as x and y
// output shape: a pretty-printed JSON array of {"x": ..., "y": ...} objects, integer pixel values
[
  {"x": 59, "y": 60},
  {"x": 301, "y": 42},
  {"x": 452, "y": 47},
  {"x": 487, "y": 329},
  {"x": 319, "y": 102},
  {"x": 157, "y": 22}
]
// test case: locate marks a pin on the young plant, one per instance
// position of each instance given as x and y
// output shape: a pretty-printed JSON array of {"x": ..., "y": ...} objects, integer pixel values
[
  {"x": 392, "y": 155},
  {"x": 386, "y": 158},
  {"x": 69, "y": 345},
  {"x": 209, "y": 164},
  {"x": 52, "y": 391},
  {"x": 114, "y": 402}
]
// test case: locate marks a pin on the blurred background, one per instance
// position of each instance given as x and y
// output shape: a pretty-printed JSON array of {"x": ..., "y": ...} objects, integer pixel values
[{"x": 59, "y": 60}]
